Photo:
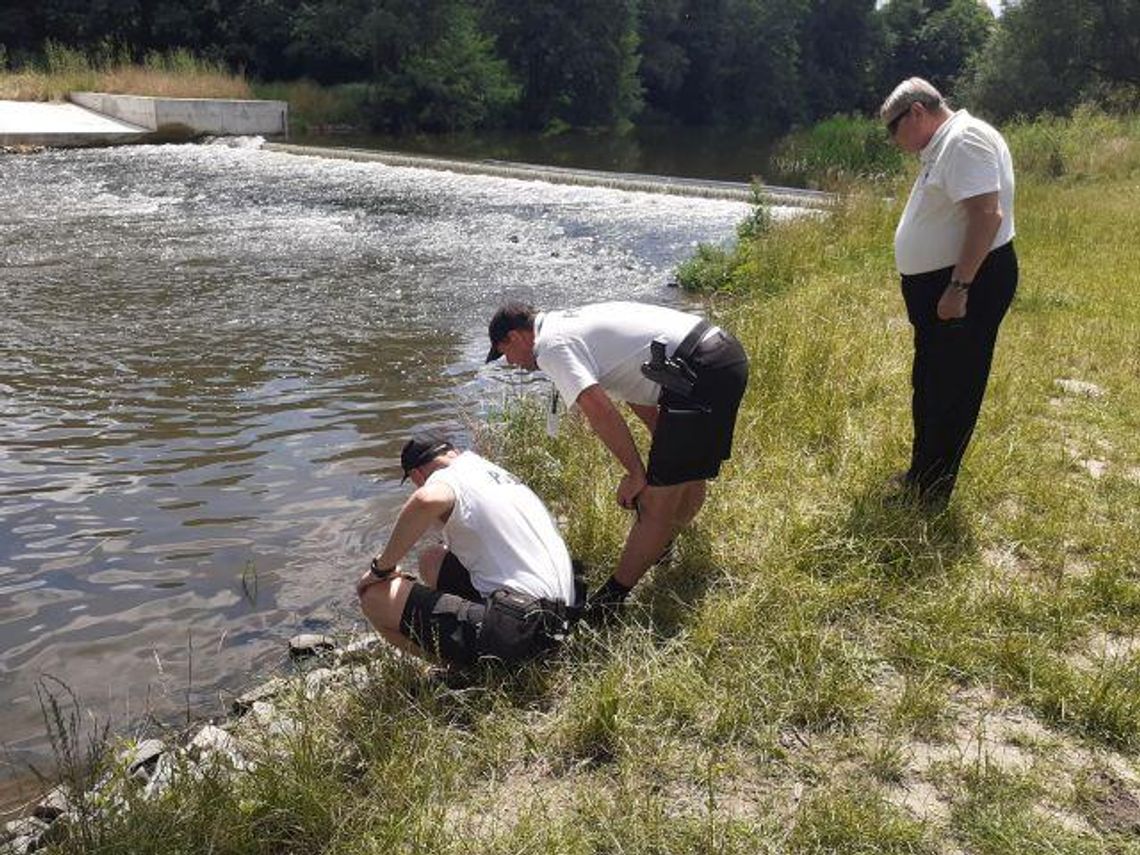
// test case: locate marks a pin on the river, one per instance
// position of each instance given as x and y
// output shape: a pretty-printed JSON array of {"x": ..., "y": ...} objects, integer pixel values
[{"x": 209, "y": 358}]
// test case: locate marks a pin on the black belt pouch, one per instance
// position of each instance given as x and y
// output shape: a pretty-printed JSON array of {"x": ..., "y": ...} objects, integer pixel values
[{"x": 515, "y": 627}]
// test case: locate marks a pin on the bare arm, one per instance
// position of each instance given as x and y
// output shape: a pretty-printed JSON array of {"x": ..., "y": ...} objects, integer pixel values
[
  {"x": 429, "y": 504},
  {"x": 983, "y": 219},
  {"x": 648, "y": 415},
  {"x": 614, "y": 433}
]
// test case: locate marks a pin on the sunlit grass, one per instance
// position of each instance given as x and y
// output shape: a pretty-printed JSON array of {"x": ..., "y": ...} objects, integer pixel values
[
  {"x": 173, "y": 74},
  {"x": 818, "y": 672}
]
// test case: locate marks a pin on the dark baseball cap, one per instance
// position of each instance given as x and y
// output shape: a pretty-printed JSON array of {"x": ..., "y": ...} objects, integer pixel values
[
  {"x": 420, "y": 449},
  {"x": 509, "y": 316}
]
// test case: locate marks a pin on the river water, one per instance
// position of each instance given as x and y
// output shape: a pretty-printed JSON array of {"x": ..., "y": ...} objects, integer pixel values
[{"x": 209, "y": 358}]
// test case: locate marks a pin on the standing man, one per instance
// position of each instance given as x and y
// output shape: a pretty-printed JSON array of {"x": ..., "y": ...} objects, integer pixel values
[
  {"x": 954, "y": 251},
  {"x": 503, "y": 586},
  {"x": 687, "y": 394}
]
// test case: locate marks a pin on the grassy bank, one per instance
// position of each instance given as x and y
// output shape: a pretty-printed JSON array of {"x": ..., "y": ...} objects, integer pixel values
[
  {"x": 173, "y": 74},
  {"x": 817, "y": 672}
]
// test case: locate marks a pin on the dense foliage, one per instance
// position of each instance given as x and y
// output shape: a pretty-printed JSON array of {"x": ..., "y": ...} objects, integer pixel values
[{"x": 547, "y": 64}]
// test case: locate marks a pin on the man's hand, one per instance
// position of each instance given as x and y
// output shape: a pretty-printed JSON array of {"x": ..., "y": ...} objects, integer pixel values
[
  {"x": 629, "y": 488},
  {"x": 952, "y": 304},
  {"x": 368, "y": 580}
]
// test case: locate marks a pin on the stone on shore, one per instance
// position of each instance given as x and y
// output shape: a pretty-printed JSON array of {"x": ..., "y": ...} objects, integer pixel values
[{"x": 309, "y": 644}]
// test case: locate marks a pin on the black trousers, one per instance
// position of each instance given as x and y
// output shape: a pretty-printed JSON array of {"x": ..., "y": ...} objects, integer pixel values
[{"x": 952, "y": 366}]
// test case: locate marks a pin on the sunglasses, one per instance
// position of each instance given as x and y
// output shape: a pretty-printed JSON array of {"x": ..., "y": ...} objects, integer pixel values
[{"x": 893, "y": 124}]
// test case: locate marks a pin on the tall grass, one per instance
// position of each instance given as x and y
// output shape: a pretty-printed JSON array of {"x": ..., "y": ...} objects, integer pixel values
[
  {"x": 816, "y": 660},
  {"x": 109, "y": 67},
  {"x": 313, "y": 107}
]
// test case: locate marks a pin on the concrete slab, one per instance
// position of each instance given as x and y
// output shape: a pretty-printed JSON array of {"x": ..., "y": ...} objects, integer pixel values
[
  {"x": 190, "y": 117},
  {"x": 43, "y": 123}
]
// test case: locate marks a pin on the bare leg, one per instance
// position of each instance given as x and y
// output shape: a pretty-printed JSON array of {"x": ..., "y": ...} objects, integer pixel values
[
  {"x": 659, "y": 508},
  {"x": 694, "y": 499},
  {"x": 431, "y": 559},
  {"x": 383, "y": 605}
]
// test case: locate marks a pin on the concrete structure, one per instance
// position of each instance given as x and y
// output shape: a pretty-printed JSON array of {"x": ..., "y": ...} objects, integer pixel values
[
  {"x": 34, "y": 123},
  {"x": 781, "y": 196},
  {"x": 97, "y": 118},
  {"x": 181, "y": 118}
]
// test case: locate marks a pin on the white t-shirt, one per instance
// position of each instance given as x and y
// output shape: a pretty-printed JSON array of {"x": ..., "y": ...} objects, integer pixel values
[
  {"x": 606, "y": 343},
  {"x": 965, "y": 157},
  {"x": 502, "y": 532}
]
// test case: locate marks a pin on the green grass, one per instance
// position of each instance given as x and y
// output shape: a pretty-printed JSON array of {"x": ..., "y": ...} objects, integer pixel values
[
  {"x": 176, "y": 73},
  {"x": 818, "y": 672}
]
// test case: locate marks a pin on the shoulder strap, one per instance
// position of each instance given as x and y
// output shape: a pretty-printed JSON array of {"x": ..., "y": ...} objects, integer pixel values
[{"x": 685, "y": 349}]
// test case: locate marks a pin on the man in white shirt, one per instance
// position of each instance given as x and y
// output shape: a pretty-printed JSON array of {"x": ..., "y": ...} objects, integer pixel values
[
  {"x": 503, "y": 586},
  {"x": 954, "y": 252},
  {"x": 689, "y": 402}
]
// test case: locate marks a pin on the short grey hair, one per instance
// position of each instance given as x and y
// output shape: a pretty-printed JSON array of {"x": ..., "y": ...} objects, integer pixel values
[{"x": 913, "y": 90}]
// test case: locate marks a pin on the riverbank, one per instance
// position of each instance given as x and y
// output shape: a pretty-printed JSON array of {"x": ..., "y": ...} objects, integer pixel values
[{"x": 817, "y": 671}]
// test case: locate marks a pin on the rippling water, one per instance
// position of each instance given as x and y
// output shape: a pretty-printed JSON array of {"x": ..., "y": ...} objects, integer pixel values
[{"x": 209, "y": 356}]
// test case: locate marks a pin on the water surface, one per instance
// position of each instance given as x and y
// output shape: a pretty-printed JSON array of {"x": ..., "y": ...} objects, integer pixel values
[{"x": 209, "y": 357}]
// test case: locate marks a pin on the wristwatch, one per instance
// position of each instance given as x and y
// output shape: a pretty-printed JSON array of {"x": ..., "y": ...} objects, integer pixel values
[
  {"x": 960, "y": 286},
  {"x": 379, "y": 572}
]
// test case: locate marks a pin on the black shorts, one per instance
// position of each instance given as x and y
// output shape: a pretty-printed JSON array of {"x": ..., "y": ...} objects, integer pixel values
[
  {"x": 693, "y": 438},
  {"x": 445, "y": 620},
  {"x": 456, "y": 624}
]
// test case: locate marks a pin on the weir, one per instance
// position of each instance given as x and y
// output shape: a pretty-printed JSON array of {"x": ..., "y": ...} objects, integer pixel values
[{"x": 789, "y": 197}]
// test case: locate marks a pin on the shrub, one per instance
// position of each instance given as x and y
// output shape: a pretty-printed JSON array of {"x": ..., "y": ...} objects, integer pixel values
[{"x": 835, "y": 151}]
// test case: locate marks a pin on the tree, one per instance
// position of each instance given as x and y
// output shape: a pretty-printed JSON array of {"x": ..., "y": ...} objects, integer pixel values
[
  {"x": 577, "y": 61},
  {"x": 937, "y": 40},
  {"x": 1050, "y": 55},
  {"x": 435, "y": 69}
]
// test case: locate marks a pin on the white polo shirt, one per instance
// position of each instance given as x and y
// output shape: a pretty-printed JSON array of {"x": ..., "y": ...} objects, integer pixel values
[
  {"x": 502, "y": 532},
  {"x": 965, "y": 157},
  {"x": 606, "y": 343}
]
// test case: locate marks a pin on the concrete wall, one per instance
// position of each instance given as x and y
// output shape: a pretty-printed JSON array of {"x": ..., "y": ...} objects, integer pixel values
[{"x": 191, "y": 116}]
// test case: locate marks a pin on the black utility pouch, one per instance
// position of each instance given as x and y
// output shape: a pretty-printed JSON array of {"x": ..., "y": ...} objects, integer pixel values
[{"x": 515, "y": 627}]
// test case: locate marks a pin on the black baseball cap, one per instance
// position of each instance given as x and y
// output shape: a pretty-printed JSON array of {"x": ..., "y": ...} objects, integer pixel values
[
  {"x": 420, "y": 449},
  {"x": 509, "y": 316}
]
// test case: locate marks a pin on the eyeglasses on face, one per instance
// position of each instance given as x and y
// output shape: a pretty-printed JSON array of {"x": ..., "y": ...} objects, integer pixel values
[{"x": 893, "y": 124}]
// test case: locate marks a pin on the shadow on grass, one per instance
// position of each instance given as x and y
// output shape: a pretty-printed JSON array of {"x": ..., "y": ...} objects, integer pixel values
[
  {"x": 889, "y": 541},
  {"x": 673, "y": 592}
]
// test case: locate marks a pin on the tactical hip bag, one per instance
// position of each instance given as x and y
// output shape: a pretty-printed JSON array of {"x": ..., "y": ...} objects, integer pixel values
[{"x": 518, "y": 626}]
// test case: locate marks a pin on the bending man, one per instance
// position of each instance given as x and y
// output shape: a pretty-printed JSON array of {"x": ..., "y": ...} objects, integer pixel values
[
  {"x": 595, "y": 353},
  {"x": 503, "y": 585}
]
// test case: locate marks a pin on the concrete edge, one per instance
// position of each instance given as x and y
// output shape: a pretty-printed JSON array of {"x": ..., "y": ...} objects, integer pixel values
[{"x": 732, "y": 191}]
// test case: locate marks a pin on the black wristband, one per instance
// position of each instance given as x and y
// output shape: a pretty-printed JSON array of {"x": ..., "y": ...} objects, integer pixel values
[
  {"x": 961, "y": 286},
  {"x": 379, "y": 572}
]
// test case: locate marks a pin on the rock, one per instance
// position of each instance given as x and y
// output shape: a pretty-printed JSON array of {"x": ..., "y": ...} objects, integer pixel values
[
  {"x": 23, "y": 835},
  {"x": 244, "y": 702},
  {"x": 1095, "y": 468},
  {"x": 53, "y": 805},
  {"x": 162, "y": 776},
  {"x": 273, "y": 722},
  {"x": 309, "y": 644},
  {"x": 317, "y": 681},
  {"x": 1080, "y": 387},
  {"x": 213, "y": 742},
  {"x": 140, "y": 759},
  {"x": 359, "y": 650}
]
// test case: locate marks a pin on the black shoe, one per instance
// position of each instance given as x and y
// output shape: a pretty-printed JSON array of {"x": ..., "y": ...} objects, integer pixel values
[{"x": 605, "y": 604}]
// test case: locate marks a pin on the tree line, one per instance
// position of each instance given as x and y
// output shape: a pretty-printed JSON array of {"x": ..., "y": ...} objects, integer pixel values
[{"x": 547, "y": 64}]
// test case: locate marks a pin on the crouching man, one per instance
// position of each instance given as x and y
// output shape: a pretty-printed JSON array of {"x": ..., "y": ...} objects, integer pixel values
[{"x": 503, "y": 586}]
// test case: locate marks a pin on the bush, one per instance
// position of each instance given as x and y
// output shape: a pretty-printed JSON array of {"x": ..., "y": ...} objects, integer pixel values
[
  {"x": 835, "y": 151},
  {"x": 1091, "y": 144}
]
